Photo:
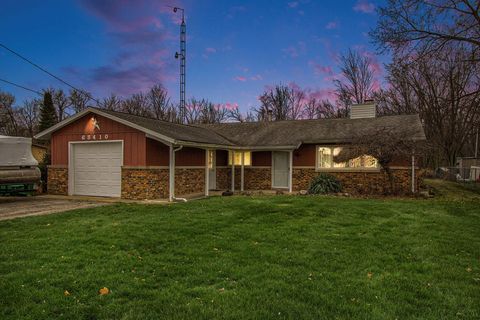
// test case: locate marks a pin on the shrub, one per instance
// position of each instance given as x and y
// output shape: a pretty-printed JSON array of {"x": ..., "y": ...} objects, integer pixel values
[{"x": 324, "y": 183}]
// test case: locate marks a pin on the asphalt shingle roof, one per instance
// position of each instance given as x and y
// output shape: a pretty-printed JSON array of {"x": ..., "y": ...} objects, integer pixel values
[
  {"x": 175, "y": 131},
  {"x": 294, "y": 132}
]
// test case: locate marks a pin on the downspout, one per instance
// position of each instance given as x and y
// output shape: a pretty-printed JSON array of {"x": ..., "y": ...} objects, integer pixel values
[{"x": 171, "y": 189}]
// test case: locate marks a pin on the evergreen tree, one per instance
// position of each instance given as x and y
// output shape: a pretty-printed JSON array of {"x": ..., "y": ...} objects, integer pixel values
[{"x": 48, "y": 116}]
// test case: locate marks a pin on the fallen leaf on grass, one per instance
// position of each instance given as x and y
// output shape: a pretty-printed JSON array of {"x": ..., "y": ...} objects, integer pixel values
[
  {"x": 370, "y": 275},
  {"x": 66, "y": 293},
  {"x": 103, "y": 291},
  {"x": 469, "y": 269}
]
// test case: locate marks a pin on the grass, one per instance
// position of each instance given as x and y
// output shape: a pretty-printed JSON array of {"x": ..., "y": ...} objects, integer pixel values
[
  {"x": 246, "y": 258},
  {"x": 458, "y": 191}
]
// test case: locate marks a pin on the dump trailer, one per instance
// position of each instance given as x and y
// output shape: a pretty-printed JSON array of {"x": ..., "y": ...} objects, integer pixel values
[{"x": 19, "y": 172}]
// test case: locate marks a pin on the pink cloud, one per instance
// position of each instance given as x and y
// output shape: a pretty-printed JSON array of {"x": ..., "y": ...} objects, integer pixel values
[
  {"x": 297, "y": 50},
  {"x": 323, "y": 94},
  {"x": 230, "y": 106},
  {"x": 240, "y": 78},
  {"x": 256, "y": 77},
  {"x": 364, "y": 6},
  {"x": 208, "y": 52},
  {"x": 331, "y": 25},
  {"x": 293, "y": 4},
  {"x": 375, "y": 65},
  {"x": 291, "y": 51},
  {"x": 320, "y": 69},
  {"x": 139, "y": 30}
]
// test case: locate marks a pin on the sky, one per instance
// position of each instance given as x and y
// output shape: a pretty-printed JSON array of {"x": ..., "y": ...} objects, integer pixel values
[{"x": 235, "y": 49}]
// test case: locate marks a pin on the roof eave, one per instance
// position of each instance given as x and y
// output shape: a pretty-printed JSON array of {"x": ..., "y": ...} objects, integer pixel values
[{"x": 47, "y": 133}]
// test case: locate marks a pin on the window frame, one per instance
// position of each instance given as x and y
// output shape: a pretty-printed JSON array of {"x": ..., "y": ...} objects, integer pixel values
[
  {"x": 231, "y": 158},
  {"x": 340, "y": 169}
]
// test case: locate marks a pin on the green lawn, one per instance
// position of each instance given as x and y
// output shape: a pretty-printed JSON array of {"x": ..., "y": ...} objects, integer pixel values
[{"x": 246, "y": 258}]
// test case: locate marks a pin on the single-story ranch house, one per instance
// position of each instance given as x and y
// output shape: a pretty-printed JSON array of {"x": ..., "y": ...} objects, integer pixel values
[{"x": 113, "y": 154}]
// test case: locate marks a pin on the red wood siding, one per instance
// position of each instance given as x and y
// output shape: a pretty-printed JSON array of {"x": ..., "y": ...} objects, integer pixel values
[
  {"x": 134, "y": 143},
  {"x": 190, "y": 157},
  {"x": 261, "y": 158},
  {"x": 222, "y": 158},
  {"x": 157, "y": 153},
  {"x": 304, "y": 156}
]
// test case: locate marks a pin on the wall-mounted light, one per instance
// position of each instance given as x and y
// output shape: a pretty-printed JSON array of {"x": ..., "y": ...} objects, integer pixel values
[{"x": 96, "y": 124}]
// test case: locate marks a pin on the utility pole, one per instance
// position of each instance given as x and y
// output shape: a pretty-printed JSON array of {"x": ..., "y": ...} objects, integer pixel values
[{"x": 182, "y": 55}]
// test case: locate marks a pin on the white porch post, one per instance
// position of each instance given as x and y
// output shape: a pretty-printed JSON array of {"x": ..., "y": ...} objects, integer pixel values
[
  {"x": 233, "y": 170},
  {"x": 242, "y": 171},
  {"x": 290, "y": 170},
  {"x": 413, "y": 173},
  {"x": 171, "y": 177},
  {"x": 207, "y": 171}
]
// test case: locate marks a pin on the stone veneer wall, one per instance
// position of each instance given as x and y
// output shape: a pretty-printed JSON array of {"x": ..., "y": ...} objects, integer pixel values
[
  {"x": 255, "y": 178},
  {"x": 57, "y": 181},
  {"x": 223, "y": 178},
  {"x": 189, "y": 181},
  {"x": 140, "y": 183},
  {"x": 360, "y": 182}
]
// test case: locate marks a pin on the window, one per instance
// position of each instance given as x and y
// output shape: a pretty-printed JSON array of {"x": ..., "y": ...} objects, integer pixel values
[
  {"x": 247, "y": 161},
  {"x": 325, "y": 156}
]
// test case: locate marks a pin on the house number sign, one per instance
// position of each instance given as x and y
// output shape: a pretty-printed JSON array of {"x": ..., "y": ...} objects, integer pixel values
[{"x": 95, "y": 136}]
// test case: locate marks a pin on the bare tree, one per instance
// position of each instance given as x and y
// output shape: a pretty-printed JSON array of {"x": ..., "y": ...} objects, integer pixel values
[
  {"x": 275, "y": 104},
  {"x": 79, "y": 100},
  {"x": 111, "y": 103},
  {"x": 193, "y": 110},
  {"x": 425, "y": 26},
  {"x": 204, "y": 111},
  {"x": 236, "y": 115},
  {"x": 138, "y": 104},
  {"x": 356, "y": 84},
  {"x": 297, "y": 100},
  {"x": 385, "y": 145},
  {"x": 214, "y": 113},
  {"x": 323, "y": 109},
  {"x": 160, "y": 105},
  {"x": 444, "y": 89},
  {"x": 61, "y": 103},
  {"x": 28, "y": 116},
  {"x": 8, "y": 120}
]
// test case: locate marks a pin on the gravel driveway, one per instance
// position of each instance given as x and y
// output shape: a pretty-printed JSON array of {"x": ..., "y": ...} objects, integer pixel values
[{"x": 16, "y": 207}]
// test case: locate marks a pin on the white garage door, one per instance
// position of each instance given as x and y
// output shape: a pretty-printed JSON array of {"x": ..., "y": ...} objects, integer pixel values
[{"x": 97, "y": 169}]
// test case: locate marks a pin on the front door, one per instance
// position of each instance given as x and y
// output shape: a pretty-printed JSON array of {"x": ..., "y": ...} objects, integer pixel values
[
  {"x": 212, "y": 173},
  {"x": 280, "y": 168}
]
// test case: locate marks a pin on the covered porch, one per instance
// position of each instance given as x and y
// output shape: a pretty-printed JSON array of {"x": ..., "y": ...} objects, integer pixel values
[{"x": 240, "y": 170}]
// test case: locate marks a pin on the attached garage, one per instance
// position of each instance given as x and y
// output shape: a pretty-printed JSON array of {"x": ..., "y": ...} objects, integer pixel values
[{"x": 95, "y": 168}]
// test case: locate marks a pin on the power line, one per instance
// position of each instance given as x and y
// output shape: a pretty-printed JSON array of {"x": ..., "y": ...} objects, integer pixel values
[
  {"x": 48, "y": 72},
  {"x": 22, "y": 87}
]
